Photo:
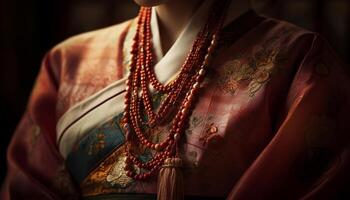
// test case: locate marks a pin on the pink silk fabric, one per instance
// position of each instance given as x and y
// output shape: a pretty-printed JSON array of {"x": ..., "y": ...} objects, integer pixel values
[{"x": 271, "y": 121}]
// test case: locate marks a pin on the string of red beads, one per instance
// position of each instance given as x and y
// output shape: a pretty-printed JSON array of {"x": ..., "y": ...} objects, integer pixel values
[{"x": 180, "y": 92}]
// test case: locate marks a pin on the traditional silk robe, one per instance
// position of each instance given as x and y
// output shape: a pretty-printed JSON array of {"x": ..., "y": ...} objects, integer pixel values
[{"x": 271, "y": 120}]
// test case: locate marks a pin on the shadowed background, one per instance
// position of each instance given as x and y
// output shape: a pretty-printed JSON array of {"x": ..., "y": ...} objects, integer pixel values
[{"x": 30, "y": 28}]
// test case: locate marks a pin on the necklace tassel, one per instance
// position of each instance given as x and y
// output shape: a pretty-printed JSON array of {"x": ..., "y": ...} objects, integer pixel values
[{"x": 170, "y": 180}]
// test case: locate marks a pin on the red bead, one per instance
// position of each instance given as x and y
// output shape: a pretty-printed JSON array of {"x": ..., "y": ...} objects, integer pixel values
[
  {"x": 158, "y": 147},
  {"x": 130, "y": 174}
]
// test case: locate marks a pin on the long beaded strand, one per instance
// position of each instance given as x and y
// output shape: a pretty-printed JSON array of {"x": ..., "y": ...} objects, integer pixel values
[{"x": 179, "y": 92}]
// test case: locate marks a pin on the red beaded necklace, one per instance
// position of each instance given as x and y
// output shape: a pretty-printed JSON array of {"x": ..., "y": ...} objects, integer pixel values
[{"x": 180, "y": 93}]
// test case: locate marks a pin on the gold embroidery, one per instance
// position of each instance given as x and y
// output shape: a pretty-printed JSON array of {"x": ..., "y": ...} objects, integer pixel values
[
  {"x": 211, "y": 129},
  {"x": 211, "y": 138},
  {"x": 117, "y": 175},
  {"x": 108, "y": 177},
  {"x": 98, "y": 145},
  {"x": 256, "y": 71},
  {"x": 195, "y": 121}
]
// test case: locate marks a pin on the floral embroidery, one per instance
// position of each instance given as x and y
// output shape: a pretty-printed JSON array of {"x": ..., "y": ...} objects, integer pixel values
[
  {"x": 211, "y": 138},
  {"x": 98, "y": 145},
  {"x": 255, "y": 71},
  {"x": 251, "y": 72},
  {"x": 194, "y": 121},
  {"x": 108, "y": 177},
  {"x": 117, "y": 175},
  {"x": 210, "y": 130}
]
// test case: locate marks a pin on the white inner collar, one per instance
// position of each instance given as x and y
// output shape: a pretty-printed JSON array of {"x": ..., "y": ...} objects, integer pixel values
[{"x": 170, "y": 64}]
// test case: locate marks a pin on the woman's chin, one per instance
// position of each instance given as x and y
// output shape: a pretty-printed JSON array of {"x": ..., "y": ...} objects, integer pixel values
[{"x": 149, "y": 3}]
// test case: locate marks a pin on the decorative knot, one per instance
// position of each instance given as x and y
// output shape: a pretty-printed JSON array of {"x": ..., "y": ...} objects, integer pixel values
[{"x": 172, "y": 163}]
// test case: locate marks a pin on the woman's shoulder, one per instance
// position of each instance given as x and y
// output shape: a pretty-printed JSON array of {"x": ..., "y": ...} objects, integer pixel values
[
  {"x": 86, "y": 63},
  {"x": 287, "y": 33},
  {"x": 93, "y": 41},
  {"x": 284, "y": 37},
  {"x": 88, "y": 51},
  {"x": 257, "y": 31},
  {"x": 292, "y": 37}
]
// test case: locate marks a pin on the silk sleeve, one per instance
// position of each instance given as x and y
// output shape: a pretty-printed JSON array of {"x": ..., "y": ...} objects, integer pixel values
[
  {"x": 308, "y": 156},
  {"x": 35, "y": 168}
]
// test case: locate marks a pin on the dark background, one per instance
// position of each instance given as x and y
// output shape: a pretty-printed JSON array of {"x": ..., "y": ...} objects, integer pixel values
[{"x": 30, "y": 28}]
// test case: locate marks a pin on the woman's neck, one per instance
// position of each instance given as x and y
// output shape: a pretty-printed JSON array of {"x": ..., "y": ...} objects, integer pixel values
[{"x": 172, "y": 18}]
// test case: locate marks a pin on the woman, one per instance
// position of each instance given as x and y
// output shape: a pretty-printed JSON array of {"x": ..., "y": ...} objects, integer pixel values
[{"x": 199, "y": 99}]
